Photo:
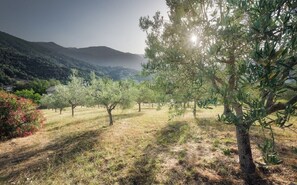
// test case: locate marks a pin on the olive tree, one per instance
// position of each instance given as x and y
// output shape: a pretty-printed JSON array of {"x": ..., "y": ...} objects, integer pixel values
[
  {"x": 143, "y": 94},
  {"x": 246, "y": 50},
  {"x": 110, "y": 94},
  {"x": 74, "y": 92},
  {"x": 55, "y": 100}
]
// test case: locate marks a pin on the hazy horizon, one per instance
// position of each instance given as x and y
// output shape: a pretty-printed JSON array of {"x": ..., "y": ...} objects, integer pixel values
[{"x": 80, "y": 24}]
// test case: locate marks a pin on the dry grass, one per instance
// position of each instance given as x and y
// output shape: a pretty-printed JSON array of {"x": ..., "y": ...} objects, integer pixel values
[{"x": 140, "y": 148}]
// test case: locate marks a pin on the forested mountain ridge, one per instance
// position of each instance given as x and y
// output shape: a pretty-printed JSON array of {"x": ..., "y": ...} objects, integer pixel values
[
  {"x": 98, "y": 55},
  {"x": 23, "y": 60}
]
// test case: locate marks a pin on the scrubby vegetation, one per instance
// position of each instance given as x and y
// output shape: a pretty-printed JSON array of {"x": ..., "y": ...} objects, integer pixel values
[
  {"x": 29, "y": 94},
  {"x": 18, "y": 116}
]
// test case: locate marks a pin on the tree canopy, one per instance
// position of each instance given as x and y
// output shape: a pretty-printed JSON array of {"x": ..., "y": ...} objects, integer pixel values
[
  {"x": 245, "y": 49},
  {"x": 110, "y": 94}
]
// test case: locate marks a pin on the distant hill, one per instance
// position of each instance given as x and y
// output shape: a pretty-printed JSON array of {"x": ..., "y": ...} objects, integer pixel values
[
  {"x": 23, "y": 60},
  {"x": 99, "y": 55}
]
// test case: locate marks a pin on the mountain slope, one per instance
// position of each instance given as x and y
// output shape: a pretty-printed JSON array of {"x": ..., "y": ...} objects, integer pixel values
[
  {"x": 107, "y": 57},
  {"x": 100, "y": 55},
  {"x": 23, "y": 60}
]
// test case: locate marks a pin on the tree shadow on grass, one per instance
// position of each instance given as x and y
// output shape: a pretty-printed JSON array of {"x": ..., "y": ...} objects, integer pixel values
[
  {"x": 218, "y": 172},
  {"x": 97, "y": 118},
  {"x": 212, "y": 124},
  {"x": 125, "y": 116},
  {"x": 226, "y": 134},
  {"x": 54, "y": 154},
  {"x": 145, "y": 168},
  {"x": 72, "y": 123}
]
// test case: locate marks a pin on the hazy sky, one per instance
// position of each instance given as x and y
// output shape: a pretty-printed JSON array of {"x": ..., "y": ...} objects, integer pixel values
[{"x": 80, "y": 23}]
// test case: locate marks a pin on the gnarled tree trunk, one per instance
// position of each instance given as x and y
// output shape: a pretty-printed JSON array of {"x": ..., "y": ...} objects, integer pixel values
[
  {"x": 246, "y": 162},
  {"x": 72, "y": 110},
  {"x": 247, "y": 165},
  {"x": 110, "y": 117},
  {"x": 227, "y": 109},
  {"x": 194, "y": 109}
]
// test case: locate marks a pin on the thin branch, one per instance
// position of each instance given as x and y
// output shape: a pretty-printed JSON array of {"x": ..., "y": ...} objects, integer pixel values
[{"x": 281, "y": 106}]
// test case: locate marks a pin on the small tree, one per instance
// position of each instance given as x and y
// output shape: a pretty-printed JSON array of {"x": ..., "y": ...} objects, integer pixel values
[
  {"x": 74, "y": 92},
  {"x": 111, "y": 94},
  {"x": 55, "y": 101},
  {"x": 143, "y": 94}
]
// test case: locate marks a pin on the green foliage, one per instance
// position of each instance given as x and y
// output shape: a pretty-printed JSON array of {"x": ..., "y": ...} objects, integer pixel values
[
  {"x": 111, "y": 93},
  {"x": 246, "y": 51},
  {"x": 40, "y": 86},
  {"x": 56, "y": 100},
  {"x": 204, "y": 103},
  {"x": 15, "y": 65},
  {"x": 227, "y": 151},
  {"x": 72, "y": 94},
  {"x": 29, "y": 94},
  {"x": 269, "y": 155},
  {"x": 143, "y": 93},
  {"x": 74, "y": 91},
  {"x": 18, "y": 116}
]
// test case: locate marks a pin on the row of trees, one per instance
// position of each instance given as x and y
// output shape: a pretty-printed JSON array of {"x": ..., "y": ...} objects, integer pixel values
[
  {"x": 98, "y": 91},
  {"x": 244, "y": 52}
]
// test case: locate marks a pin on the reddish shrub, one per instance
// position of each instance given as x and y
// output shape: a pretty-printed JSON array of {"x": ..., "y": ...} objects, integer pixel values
[{"x": 18, "y": 116}]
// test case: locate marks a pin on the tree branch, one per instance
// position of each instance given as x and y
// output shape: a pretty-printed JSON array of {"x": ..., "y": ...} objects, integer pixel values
[
  {"x": 291, "y": 88},
  {"x": 281, "y": 106},
  {"x": 269, "y": 101}
]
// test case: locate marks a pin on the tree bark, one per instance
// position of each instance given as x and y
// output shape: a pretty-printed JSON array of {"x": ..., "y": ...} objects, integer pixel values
[
  {"x": 194, "y": 109},
  {"x": 246, "y": 162},
  {"x": 139, "y": 107},
  {"x": 72, "y": 110},
  {"x": 61, "y": 110},
  {"x": 227, "y": 109},
  {"x": 247, "y": 165},
  {"x": 110, "y": 117}
]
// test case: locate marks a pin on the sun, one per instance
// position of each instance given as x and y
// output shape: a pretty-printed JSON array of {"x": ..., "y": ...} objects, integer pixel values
[{"x": 193, "y": 39}]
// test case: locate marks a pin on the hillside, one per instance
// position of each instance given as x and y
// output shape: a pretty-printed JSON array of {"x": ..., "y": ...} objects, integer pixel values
[
  {"x": 23, "y": 60},
  {"x": 100, "y": 55},
  {"x": 140, "y": 148}
]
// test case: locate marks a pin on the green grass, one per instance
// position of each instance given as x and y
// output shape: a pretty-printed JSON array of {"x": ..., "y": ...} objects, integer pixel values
[{"x": 140, "y": 148}]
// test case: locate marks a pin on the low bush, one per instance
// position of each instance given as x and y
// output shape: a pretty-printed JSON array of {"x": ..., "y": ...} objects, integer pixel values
[
  {"x": 29, "y": 94},
  {"x": 18, "y": 116}
]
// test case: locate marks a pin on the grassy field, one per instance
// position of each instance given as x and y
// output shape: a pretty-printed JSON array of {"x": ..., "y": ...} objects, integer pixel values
[{"x": 140, "y": 148}]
